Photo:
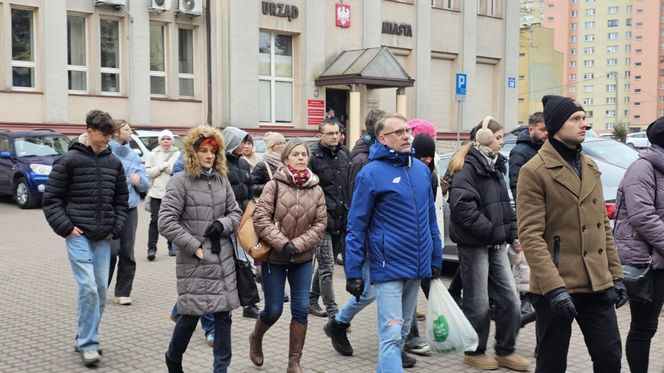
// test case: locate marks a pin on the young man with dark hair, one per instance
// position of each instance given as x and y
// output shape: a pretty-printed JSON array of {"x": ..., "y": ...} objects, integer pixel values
[{"x": 85, "y": 201}]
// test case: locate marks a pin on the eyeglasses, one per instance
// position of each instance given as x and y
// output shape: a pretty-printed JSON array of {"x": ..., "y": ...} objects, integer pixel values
[
  {"x": 400, "y": 132},
  {"x": 335, "y": 133}
]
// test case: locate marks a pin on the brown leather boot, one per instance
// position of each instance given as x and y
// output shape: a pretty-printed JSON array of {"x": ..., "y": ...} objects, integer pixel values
[
  {"x": 256, "y": 342},
  {"x": 297, "y": 334}
]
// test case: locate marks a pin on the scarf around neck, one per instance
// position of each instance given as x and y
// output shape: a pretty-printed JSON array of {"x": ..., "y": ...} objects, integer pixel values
[
  {"x": 273, "y": 158},
  {"x": 300, "y": 177}
]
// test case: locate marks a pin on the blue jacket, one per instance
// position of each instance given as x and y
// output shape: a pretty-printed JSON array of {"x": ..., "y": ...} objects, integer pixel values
[
  {"x": 133, "y": 164},
  {"x": 393, "y": 213}
]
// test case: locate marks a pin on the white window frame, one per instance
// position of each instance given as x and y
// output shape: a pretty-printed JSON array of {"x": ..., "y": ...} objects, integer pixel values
[
  {"x": 272, "y": 78},
  {"x": 26, "y": 64},
  {"x": 157, "y": 73},
  {"x": 80, "y": 68},
  {"x": 590, "y": 12},
  {"x": 188, "y": 76},
  {"x": 111, "y": 70},
  {"x": 589, "y": 37},
  {"x": 612, "y": 36}
]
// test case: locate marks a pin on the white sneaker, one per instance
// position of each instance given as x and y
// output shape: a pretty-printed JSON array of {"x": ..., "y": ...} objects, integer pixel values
[
  {"x": 124, "y": 301},
  {"x": 421, "y": 348},
  {"x": 90, "y": 357}
]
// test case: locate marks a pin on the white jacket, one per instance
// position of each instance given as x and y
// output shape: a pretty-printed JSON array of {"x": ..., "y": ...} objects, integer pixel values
[{"x": 160, "y": 167}]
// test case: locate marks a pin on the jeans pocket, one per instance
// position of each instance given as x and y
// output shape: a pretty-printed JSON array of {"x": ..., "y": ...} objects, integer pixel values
[{"x": 78, "y": 249}]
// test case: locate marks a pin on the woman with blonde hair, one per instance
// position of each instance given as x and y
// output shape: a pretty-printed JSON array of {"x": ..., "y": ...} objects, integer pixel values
[
  {"x": 482, "y": 223},
  {"x": 199, "y": 214},
  {"x": 292, "y": 229}
]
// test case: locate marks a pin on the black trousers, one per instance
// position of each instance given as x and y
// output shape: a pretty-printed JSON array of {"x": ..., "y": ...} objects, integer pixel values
[
  {"x": 643, "y": 327},
  {"x": 153, "y": 231},
  {"x": 122, "y": 253},
  {"x": 596, "y": 318}
]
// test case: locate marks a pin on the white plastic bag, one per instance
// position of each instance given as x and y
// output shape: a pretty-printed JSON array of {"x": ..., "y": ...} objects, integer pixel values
[{"x": 448, "y": 330}]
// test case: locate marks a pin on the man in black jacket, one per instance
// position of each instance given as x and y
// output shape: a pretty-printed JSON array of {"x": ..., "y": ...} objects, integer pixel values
[
  {"x": 86, "y": 201},
  {"x": 330, "y": 163}
]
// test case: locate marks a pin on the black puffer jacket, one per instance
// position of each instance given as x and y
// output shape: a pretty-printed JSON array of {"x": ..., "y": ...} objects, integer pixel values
[
  {"x": 481, "y": 213},
  {"x": 331, "y": 167},
  {"x": 359, "y": 157},
  {"x": 86, "y": 190},
  {"x": 259, "y": 177},
  {"x": 238, "y": 176},
  {"x": 524, "y": 150}
]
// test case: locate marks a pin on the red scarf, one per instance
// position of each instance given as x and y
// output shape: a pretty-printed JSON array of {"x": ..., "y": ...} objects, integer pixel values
[{"x": 300, "y": 177}]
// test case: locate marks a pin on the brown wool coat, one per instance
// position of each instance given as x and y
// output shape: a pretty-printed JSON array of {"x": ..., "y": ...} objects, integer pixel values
[
  {"x": 300, "y": 216},
  {"x": 551, "y": 201}
]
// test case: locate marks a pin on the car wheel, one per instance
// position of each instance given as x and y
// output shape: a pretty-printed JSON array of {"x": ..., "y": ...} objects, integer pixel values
[
  {"x": 631, "y": 145},
  {"x": 23, "y": 196}
]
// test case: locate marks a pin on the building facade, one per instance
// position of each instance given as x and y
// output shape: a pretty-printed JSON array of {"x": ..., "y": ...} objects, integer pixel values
[{"x": 252, "y": 64}]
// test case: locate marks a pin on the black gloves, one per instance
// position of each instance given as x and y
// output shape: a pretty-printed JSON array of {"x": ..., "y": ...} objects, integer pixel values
[
  {"x": 435, "y": 272},
  {"x": 561, "y": 303},
  {"x": 621, "y": 292},
  {"x": 355, "y": 286},
  {"x": 289, "y": 251},
  {"x": 214, "y": 231}
]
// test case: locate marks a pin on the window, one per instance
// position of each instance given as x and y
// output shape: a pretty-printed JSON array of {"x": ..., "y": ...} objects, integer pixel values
[
  {"x": 637, "y": 104},
  {"x": 589, "y": 24},
  {"x": 572, "y": 51},
  {"x": 573, "y": 13},
  {"x": 613, "y": 35},
  {"x": 572, "y": 26},
  {"x": 639, "y": 37},
  {"x": 157, "y": 60},
  {"x": 637, "y": 90},
  {"x": 589, "y": 50},
  {"x": 77, "y": 61},
  {"x": 612, "y": 61},
  {"x": 588, "y": 63},
  {"x": 610, "y": 87},
  {"x": 638, "y": 51},
  {"x": 610, "y": 113},
  {"x": 628, "y": 9},
  {"x": 23, "y": 52},
  {"x": 445, "y": 4},
  {"x": 613, "y": 10},
  {"x": 610, "y": 100},
  {"x": 639, "y": 24},
  {"x": 637, "y": 64},
  {"x": 488, "y": 8},
  {"x": 613, "y": 23},
  {"x": 186, "y": 75},
  {"x": 587, "y": 101},
  {"x": 572, "y": 76},
  {"x": 587, "y": 88},
  {"x": 628, "y": 60},
  {"x": 109, "y": 34},
  {"x": 572, "y": 39},
  {"x": 661, "y": 86},
  {"x": 628, "y": 21},
  {"x": 627, "y": 86},
  {"x": 587, "y": 76},
  {"x": 628, "y": 34},
  {"x": 612, "y": 75},
  {"x": 589, "y": 114},
  {"x": 275, "y": 96},
  {"x": 589, "y": 37},
  {"x": 638, "y": 77},
  {"x": 572, "y": 63},
  {"x": 608, "y": 126},
  {"x": 628, "y": 47},
  {"x": 590, "y": 11},
  {"x": 612, "y": 49}
]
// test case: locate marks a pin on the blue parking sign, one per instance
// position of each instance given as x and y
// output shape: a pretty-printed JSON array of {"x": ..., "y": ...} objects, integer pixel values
[
  {"x": 461, "y": 83},
  {"x": 511, "y": 82}
]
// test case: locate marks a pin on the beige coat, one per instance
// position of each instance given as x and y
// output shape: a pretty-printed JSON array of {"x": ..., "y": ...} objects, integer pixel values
[
  {"x": 300, "y": 216},
  {"x": 553, "y": 202},
  {"x": 159, "y": 168}
]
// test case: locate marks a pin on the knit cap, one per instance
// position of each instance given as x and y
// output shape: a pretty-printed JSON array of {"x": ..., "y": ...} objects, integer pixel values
[
  {"x": 557, "y": 109},
  {"x": 655, "y": 132},
  {"x": 424, "y": 146},
  {"x": 422, "y": 126},
  {"x": 271, "y": 138},
  {"x": 165, "y": 133}
]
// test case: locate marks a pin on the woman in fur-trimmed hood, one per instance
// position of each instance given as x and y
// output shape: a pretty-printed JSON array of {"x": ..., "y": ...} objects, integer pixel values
[
  {"x": 199, "y": 214},
  {"x": 192, "y": 165}
]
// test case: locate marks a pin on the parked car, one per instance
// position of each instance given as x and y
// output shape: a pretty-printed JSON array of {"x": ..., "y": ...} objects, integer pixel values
[
  {"x": 143, "y": 141},
  {"x": 637, "y": 140},
  {"x": 26, "y": 160},
  {"x": 611, "y": 175}
]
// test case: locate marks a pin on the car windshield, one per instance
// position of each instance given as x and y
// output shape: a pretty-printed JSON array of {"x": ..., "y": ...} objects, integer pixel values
[
  {"x": 41, "y": 145},
  {"x": 152, "y": 142},
  {"x": 611, "y": 151}
]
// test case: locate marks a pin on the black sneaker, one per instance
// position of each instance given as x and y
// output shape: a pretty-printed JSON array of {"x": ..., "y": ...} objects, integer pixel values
[
  {"x": 250, "y": 312},
  {"x": 338, "y": 332},
  {"x": 152, "y": 253},
  {"x": 407, "y": 361},
  {"x": 315, "y": 310}
]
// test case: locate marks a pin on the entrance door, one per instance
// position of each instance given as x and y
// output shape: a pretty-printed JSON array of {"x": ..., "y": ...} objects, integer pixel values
[{"x": 337, "y": 100}]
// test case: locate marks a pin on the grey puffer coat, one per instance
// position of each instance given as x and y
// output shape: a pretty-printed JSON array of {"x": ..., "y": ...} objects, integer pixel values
[
  {"x": 300, "y": 216},
  {"x": 207, "y": 285},
  {"x": 640, "y": 223}
]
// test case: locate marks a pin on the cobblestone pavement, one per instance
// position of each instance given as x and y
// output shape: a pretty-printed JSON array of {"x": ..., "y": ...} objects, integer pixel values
[{"x": 38, "y": 309}]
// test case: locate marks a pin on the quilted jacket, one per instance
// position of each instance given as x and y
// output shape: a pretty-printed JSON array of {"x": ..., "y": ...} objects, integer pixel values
[{"x": 300, "y": 216}]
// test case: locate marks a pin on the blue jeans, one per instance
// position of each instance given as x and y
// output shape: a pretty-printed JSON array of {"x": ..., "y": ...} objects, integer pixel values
[
  {"x": 395, "y": 303},
  {"x": 207, "y": 321},
  {"x": 221, "y": 349},
  {"x": 274, "y": 280},
  {"x": 486, "y": 272},
  {"x": 90, "y": 262},
  {"x": 353, "y": 307}
]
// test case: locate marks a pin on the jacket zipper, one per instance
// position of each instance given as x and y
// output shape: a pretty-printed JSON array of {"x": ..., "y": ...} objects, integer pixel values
[
  {"x": 99, "y": 204},
  {"x": 417, "y": 217},
  {"x": 556, "y": 250}
]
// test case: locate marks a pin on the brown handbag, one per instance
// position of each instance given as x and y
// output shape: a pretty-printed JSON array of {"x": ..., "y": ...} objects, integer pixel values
[{"x": 246, "y": 234}]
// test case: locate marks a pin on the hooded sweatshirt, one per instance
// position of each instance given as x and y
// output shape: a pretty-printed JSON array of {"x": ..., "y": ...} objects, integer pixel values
[
  {"x": 132, "y": 164},
  {"x": 239, "y": 169}
]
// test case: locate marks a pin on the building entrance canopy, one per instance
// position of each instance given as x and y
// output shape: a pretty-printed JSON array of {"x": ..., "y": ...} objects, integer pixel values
[{"x": 374, "y": 67}]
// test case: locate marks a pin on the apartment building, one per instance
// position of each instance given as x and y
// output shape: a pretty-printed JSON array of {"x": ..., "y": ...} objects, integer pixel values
[
  {"x": 613, "y": 56},
  {"x": 258, "y": 65}
]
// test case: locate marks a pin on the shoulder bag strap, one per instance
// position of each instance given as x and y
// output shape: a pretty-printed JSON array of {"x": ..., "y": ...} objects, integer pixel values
[
  {"x": 276, "y": 194},
  {"x": 269, "y": 169}
]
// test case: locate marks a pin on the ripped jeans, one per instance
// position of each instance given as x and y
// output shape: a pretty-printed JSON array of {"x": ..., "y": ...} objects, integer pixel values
[{"x": 395, "y": 304}]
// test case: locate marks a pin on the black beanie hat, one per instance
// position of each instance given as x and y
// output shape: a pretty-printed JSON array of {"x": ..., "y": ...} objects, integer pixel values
[
  {"x": 424, "y": 145},
  {"x": 655, "y": 132},
  {"x": 557, "y": 109}
]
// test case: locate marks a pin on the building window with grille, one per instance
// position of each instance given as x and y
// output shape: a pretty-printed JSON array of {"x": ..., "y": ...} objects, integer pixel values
[
  {"x": 587, "y": 88},
  {"x": 612, "y": 23},
  {"x": 157, "y": 60},
  {"x": 109, "y": 43},
  {"x": 612, "y": 49},
  {"x": 613, "y": 10},
  {"x": 611, "y": 87},
  {"x": 587, "y": 76},
  {"x": 589, "y": 50},
  {"x": 77, "y": 58},
  {"x": 489, "y": 8},
  {"x": 589, "y": 25},
  {"x": 613, "y": 35},
  {"x": 590, "y": 11},
  {"x": 588, "y": 63},
  {"x": 23, "y": 48},
  {"x": 612, "y": 61},
  {"x": 186, "y": 74},
  {"x": 275, "y": 96}
]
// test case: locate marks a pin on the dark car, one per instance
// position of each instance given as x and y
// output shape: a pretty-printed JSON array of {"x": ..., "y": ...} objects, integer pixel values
[{"x": 26, "y": 159}]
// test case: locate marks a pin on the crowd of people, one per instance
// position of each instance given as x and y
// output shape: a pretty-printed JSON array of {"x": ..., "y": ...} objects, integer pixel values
[{"x": 550, "y": 257}]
